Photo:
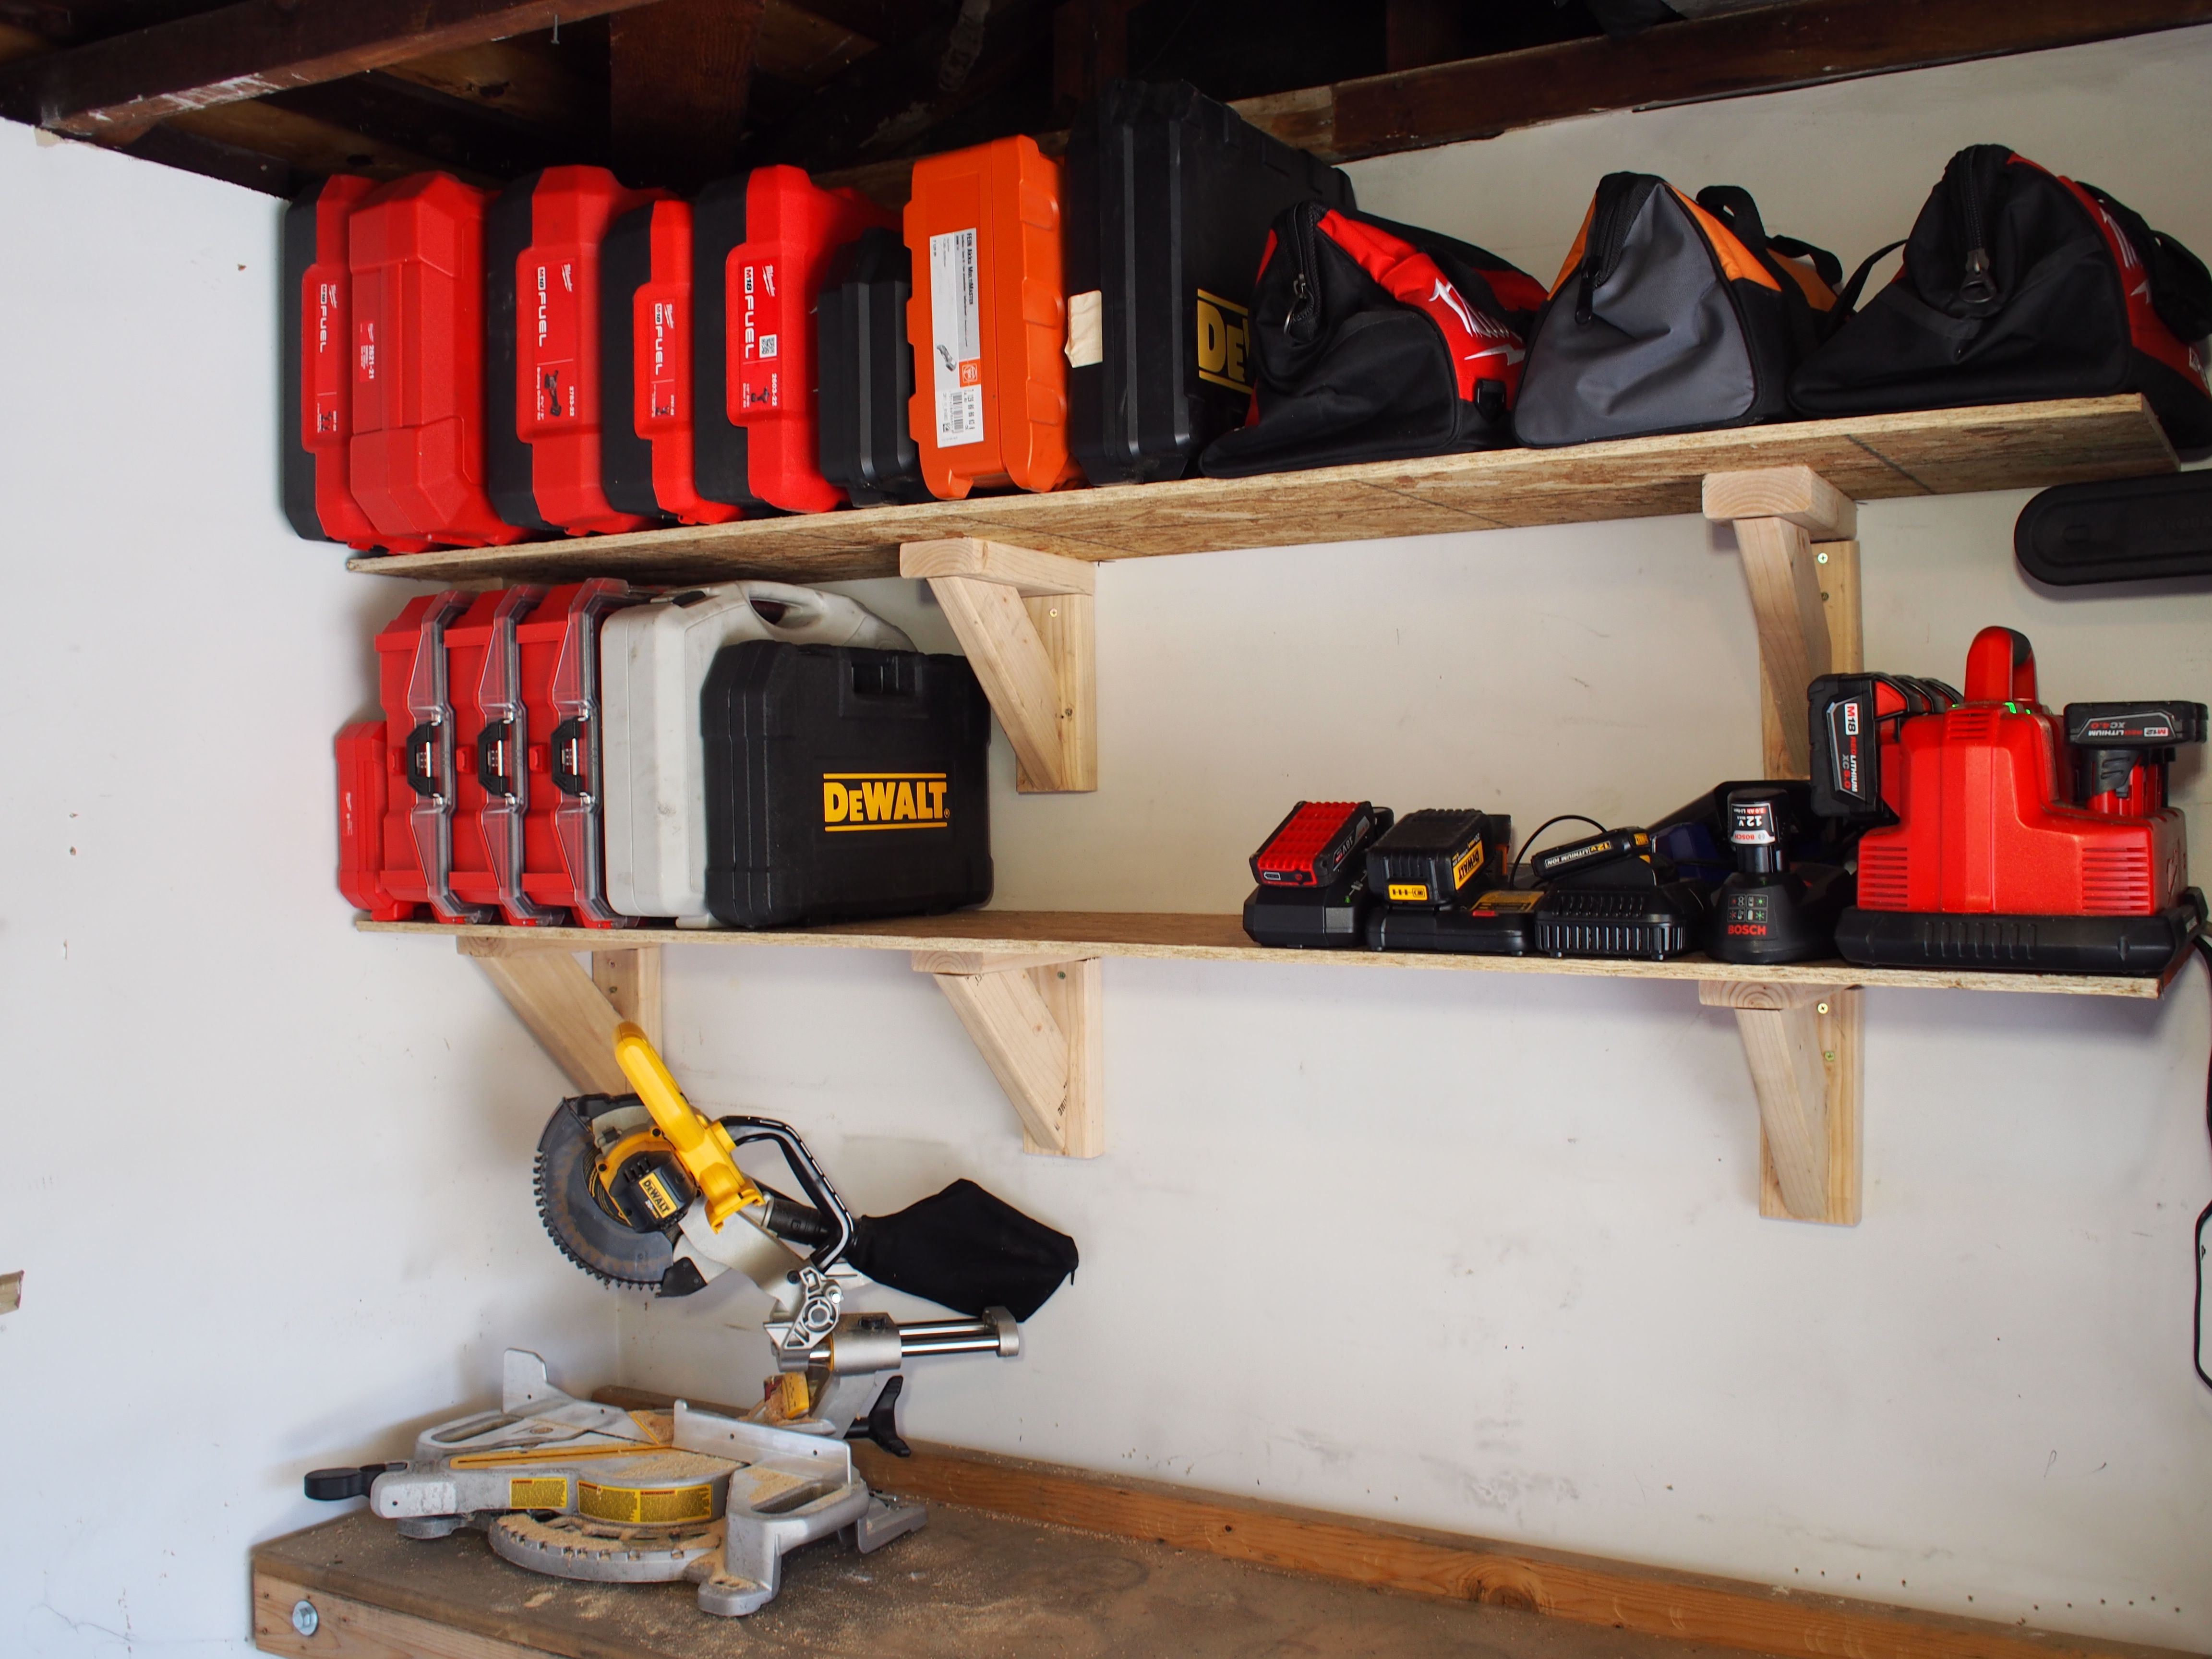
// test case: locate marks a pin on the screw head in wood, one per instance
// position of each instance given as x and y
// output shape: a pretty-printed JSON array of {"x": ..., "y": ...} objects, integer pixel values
[
  {"x": 305, "y": 1618},
  {"x": 1829, "y": 1055},
  {"x": 1823, "y": 1008},
  {"x": 1823, "y": 559}
]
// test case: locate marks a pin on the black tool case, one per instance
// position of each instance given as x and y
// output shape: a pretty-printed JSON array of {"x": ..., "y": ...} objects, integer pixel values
[
  {"x": 1165, "y": 201},
  {"x": 866, "y": 372},
  {"x": 843, "y": 783}
]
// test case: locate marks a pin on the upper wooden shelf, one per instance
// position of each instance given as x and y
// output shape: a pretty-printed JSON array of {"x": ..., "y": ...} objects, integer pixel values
[
  {"x": 1870, "y": 458},
  {"x": 966, "y": 936}
]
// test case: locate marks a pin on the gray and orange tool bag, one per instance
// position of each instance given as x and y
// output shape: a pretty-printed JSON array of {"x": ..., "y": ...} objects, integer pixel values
[
  {"x": 1375, "y": 341},
  {"x": 1673, "y": 315},
  {"x": 2018, "y": 284}
]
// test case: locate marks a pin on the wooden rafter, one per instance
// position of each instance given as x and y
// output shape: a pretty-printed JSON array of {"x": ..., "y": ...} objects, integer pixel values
[{"x": 678, "y": 75}]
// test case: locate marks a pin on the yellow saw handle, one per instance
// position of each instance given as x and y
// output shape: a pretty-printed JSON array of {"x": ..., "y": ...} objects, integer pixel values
[{"x": 701, "y": 1145}]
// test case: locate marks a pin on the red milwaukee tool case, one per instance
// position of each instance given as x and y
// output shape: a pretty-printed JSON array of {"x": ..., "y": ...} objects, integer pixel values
[
  {"x": 415, "y": 250},
  {"x": 647, "y": 325},
  {"x": 762, "y": 243},
  {"x": 542, "y": 318},
  {"x": 314, "y": 347},
  {"x": 564, "y": 860},
  {"x": 483, "y": 682},
  {"x": 988, "y": 320}
]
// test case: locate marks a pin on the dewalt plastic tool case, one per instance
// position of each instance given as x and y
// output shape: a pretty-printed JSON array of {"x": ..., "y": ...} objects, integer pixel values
[
  {"x": 542, "y": 381},
  {"x": 1167, "y": 197},
  {"x": 314, "y": 351},
  {"x": 761, "y": 246},
  {"x": 414, "y": 252},
  {"x": 987, "y": 321},
  {"x": 647, "y": 386},
  {"x": 867, "y": 372},
  {"x": 843, "y": 783}
]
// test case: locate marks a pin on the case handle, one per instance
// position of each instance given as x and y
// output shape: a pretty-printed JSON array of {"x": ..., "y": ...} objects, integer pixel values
[{"x": 2001, "y": 667}]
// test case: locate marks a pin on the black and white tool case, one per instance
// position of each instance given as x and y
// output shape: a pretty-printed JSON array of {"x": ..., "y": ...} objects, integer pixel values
[
  {"x": 1166, "y": 197},
  {"x": 842, "y": 783},
  {"x": 654, "y": 662}
]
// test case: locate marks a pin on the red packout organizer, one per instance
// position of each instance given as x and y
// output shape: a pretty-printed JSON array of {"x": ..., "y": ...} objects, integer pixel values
[
  {"x": 988, "y": 320},
  {"x": 414, "y": 248},
  {"x": 2018, "y": 846},
  {"x": 565, "y": 850},
  {"x": 491, "y": 778},
  {"x": 364, "y": 788},
  {"x": 316, "y": 347},
  {"x": 543, "y": 400},
  {"x": 761, "y": 246},
  {"x": 646, "y": 325}
]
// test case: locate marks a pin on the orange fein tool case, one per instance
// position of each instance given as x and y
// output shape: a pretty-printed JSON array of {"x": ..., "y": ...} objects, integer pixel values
[
  {"x": 988, "y": 320},
  {"x": 316, "y": 347},
  {"x": 542, "y": 239},
  {"x": 647, "y": 382},
  {"x": 761, "y": 244},
  {"x": 414, "y": 251}
]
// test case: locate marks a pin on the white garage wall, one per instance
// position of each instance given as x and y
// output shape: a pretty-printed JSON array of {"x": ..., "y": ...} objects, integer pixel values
[
  {"x": 267, "y": 1182},
  {"x": 1482, "y": 1254}
]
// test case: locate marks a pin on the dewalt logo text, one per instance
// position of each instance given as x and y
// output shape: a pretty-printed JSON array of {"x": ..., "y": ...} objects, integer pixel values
[
  {"x": 884, "y": 801},
  {"x": 1224, "y": 338}
]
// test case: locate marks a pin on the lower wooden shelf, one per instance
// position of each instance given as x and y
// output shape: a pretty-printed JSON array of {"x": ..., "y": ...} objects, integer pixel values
[{"x": 1176, "y": 936}]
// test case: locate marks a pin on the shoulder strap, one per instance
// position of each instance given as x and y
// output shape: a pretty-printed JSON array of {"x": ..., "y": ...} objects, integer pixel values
[{"x": 1847, "y": 296}]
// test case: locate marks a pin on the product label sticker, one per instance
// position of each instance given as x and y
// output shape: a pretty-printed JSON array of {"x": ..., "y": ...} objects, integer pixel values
[
  {"x": 1507, "y": 900},
  {"x": 757, "y": 325},
  {"x": 325, "y": 303},
  {"x": 537, "y": 1492},
  {"x": 956, "y": 332},
  {"x": 885, "y": 801},
  {"x": 661, "y": 335},
  {"x": 1469, "y": 862},
  {"x": 552, "y": 308}
]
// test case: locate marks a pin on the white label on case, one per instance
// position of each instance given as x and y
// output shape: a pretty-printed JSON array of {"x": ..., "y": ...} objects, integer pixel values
[{"x": 956, "y": 330}]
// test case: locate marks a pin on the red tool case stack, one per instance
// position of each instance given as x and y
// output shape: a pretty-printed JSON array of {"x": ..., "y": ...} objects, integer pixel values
[
  {"x": 414, "y": 252},
  {"x": 477, "y": 794},
  {"x": 542, "y": 239},
  {"x": 317, "y": 347}
]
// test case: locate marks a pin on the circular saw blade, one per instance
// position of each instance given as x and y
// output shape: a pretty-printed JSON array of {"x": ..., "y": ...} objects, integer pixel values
[{"x": 586, "y": 1234}]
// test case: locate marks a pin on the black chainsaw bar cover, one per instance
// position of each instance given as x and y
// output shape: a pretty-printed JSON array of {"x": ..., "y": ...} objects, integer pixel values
[{"x": 2135, "y": 530}]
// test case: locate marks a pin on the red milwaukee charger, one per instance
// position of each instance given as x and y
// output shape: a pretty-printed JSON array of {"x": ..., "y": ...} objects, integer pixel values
[
  {"x": 317, "y": 345},
  {"x": 414, "y": 251},
  {"x": 647, "y": 322},
  {"x": 2017, "y": 844},
  {"x": 762, "y": 247},
  {"x": 541, "y": 319}
]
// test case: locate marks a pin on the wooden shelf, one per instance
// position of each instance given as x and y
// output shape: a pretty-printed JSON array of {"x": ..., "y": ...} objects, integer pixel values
[
  {"x": 1075, "y": 935},
  {"x": 1868, "y": 458}
]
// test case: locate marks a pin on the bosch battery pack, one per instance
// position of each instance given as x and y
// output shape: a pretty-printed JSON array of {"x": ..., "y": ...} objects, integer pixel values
[
  {"x": 653, "y": 661},
  {"x": 843, "y": 783},
  {"x": 647, "y": 377},
  {"x": 1312, "y": 871},
  {"x": 987, "y": 321},
  {"x": 1499, "y": 922},
  {"x": 314, "y": 351},
  {"x": 1432, "y": 857},
  {"x": 1312, "y": 846},
  {"x": 761, "y": 243},
  {"x": 1167, "y": 199},
  {"x": 867, "y": 372},
  {"x": 542, "y": 318},
  {"x": 560, "y": 779},
  {"x": 415, "y": 253}
]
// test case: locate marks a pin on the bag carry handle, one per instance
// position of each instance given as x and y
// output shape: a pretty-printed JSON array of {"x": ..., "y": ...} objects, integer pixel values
[
  {"x": 807, "y": 604},
  {"x": 1847, "y": 296}
]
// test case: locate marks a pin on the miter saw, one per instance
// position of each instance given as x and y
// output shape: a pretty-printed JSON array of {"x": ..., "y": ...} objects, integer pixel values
[{"x": 642, "y": 1190}]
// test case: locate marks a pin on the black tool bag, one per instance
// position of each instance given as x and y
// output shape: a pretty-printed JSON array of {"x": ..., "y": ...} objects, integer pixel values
[
  {"x": 1166, "y": 200},
  {"x": 843, "y": 783},
  {"x": 2017, "y": 285},
  {"x": 1672, "y": 315},
  {"x": 967, "y": 1250},
  {"x": 1375, "y": 342}
]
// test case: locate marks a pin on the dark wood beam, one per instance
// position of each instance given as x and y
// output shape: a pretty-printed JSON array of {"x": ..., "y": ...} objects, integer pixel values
[
  {"x": 1802, "y": 43},
  {"x": 556, "y": 88},
  {"x": 246, "y": 50},
  {"x": 460, "y": 136},
  {"x": 1090, "y": 47},
  {"x": 678, "y": 72}
]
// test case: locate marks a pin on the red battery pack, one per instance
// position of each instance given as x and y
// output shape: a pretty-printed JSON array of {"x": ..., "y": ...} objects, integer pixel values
[
  {"x": 416, "y": 854},
  {"x": 647, "y": 325},
  {"x": 543, "y": 409},
  {"x": 761, "y": 246},
  {"x": 988, "y": 320},
  {"x": 559, "y": 781},
  {"x": 318, "y": 387},
  {"x": 1309, "y": 848},
  {"x": 415, "y": 250},
  {"x": 491, "y": 781}
]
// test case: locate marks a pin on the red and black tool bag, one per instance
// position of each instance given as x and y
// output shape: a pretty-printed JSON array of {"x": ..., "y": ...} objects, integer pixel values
[
  {"x": 2017, "y": 285},
  {"x": 1375, "y": 341}
]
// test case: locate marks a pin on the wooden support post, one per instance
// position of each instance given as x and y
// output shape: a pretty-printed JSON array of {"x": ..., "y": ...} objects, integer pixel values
[
  {"x": 570, "y": 1015},
  {"x": 631, "y": 980},
  {"x": 1037, "y": 1021},
  {"x": 1778, "y": 513},
  {"x": 1024, "y": 619},
  {"x": 1805, "y": 1044}
]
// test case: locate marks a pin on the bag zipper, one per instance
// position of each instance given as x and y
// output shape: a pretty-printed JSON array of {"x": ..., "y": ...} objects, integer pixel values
[
  {"x": 1302, "y": 290},
  {"x": 1978, "y": 288},
  {"x": 1609, "y": 236}
]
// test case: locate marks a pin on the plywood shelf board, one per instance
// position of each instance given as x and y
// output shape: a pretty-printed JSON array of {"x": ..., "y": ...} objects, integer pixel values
[
  {"x": 1866, "y": 458},
  {"x": 1176, "y": 936}
]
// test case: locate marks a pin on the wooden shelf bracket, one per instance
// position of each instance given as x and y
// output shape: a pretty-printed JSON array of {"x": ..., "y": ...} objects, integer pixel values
[
  {"x": 1037, "y": 1021},
  {"x": 1024, "y": 619},
  {"x": 1803, "y": 1043},
  {"x": 572, "y": 1013}
]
